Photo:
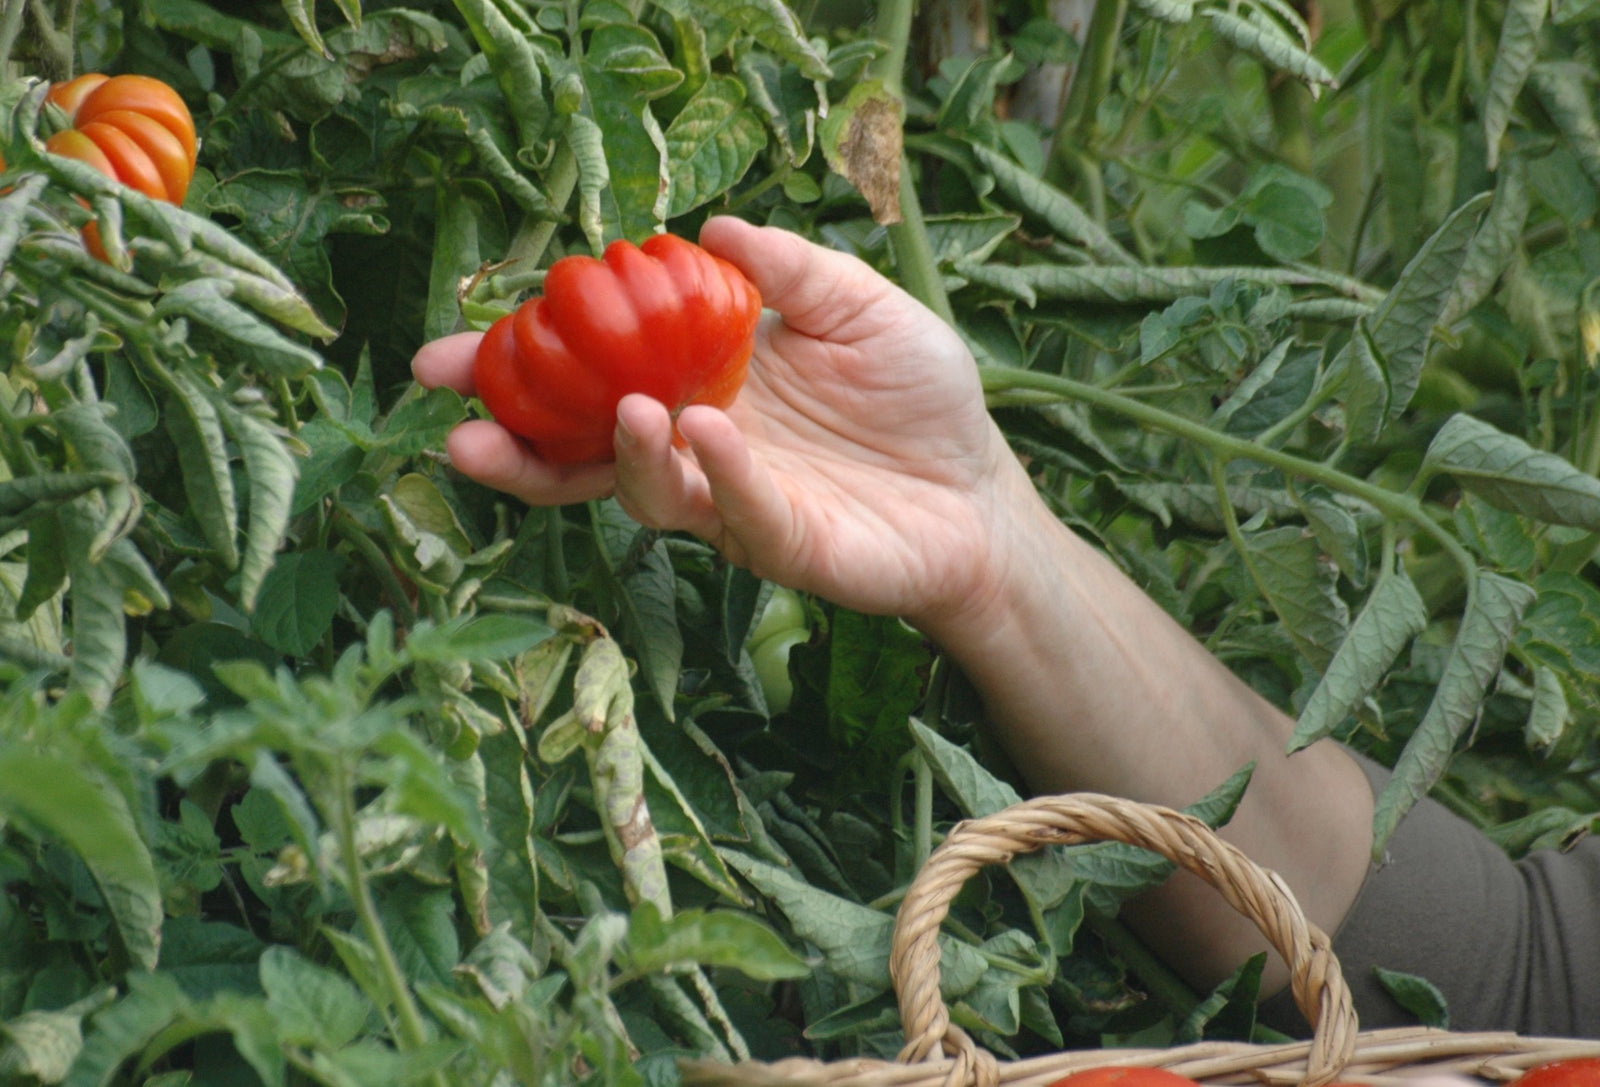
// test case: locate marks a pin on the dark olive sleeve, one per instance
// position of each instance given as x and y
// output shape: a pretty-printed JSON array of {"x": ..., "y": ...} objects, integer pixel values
[{"x": 1512, "y": 945}]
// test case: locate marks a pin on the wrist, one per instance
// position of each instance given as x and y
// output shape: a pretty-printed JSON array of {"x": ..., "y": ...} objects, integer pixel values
[{"x": 1006, "y": 571}]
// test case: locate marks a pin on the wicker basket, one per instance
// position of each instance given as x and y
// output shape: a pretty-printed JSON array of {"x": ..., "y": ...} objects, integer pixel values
[{"x": 940, "y": 1054}]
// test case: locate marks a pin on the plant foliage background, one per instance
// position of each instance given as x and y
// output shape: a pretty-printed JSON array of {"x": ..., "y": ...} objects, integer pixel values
[{"x": 313, "y": 754}]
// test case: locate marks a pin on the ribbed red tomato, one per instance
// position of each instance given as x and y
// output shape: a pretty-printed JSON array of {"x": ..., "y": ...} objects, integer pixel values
[
  {"x": 132, "y": 128},
  {"x": 1124, "y": 1077},
  {"x": 666, "y": 319},
  {"x": 1578, "y": 1072}
]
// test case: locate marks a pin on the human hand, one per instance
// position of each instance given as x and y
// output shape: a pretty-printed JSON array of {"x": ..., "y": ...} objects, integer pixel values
[{"x": 859, "y": 461}]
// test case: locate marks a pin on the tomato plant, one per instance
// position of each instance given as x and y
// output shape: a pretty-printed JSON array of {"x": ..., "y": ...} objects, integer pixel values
[
  {"x": 666, "y": 319},
  {"x": 1583, "y": 1072},
  {"x": 1124, "y": 1077}
]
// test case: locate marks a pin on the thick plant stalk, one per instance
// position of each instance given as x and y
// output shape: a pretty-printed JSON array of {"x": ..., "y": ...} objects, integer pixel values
[
  {"x": 913, "y": 253},
  {"x": 1090, "y": 82}
]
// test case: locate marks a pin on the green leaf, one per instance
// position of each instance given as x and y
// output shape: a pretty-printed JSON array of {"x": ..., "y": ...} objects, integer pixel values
[
  {"x": 710, "y": 938},
  {"x": 1265, "y": 40},
  {"x": 122, "y": 1031},
  {"x": 13, "y": 213},
  {"x": 874, "y": 682},
  {"x": 1494, "y": 610},
  {"x": 1402, "y": 325},
  {"x": 1416, "y": 995},
  {"x": 1513, "y": 60},
  {"x": 587, "y": 142},
  {"x": 1512, "y": 475},
  {"x": 514, "y": 59},
  {"x": 1495, "y": 245},
  {"x": 420, "y": 787},
  {"x": 1394, "y": 614},
  {"x": 311, "y": 1005},
  {"x": 1549, "y": 714},
  {"x": 420, "y": 923},
  {"x": 1228, "y": 1011},
  {"x": 1564, "y": 88},
  {"x": 455, "y": 256},
  {"x": 1367, "y": 392},
  {"x": 1116, "y": 872},
  {"x": 1176, "y": 12},
  {"x": 513, "y": 891},
  {"x": 302, "y": 16},
  {"x": 854, "y": 939},
  {"x": 208, "y": 302},
  {"x": 42, "y": 1045},
  {"x": 273, "y": 472},
  {"x": 477, "y": 638},
  {"x": 98, "y": 447},
  {"x": 1144, "y": 284},
  {"x": 195, "y": 427},
  {"x": 1058, "y": 210},
  {"x": 81, "y": 808},
  {"x": 771, "y": 23},
  {"x": 289, "y": 223},
  {"x": 1287, "y": 566},
  {"x": 632, "y": 53},
  {"x": 1046, "y": 877},
  {"x": 711, "y": 144},
  {"x": 299, "y": 598},
  {"x": 646, "y": 595},
  {"x": 634, "y": 150},
  {"x": 787, "y": 100}
]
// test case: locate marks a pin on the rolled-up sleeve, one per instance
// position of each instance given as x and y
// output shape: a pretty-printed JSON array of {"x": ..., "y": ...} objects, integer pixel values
[{"x": 1512, "y": 945}]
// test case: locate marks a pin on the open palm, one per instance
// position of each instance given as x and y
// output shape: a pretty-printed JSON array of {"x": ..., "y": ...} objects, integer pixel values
[{"x": 859, "y": 461}]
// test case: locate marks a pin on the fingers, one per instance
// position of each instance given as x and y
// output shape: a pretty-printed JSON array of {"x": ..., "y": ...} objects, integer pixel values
[
  {"x": 656, "y": 484},
  {"x": 447, "y": 363},
  {"x": 493, "y": 456},
  {"x": 817, "y": 290},
  {"x": 757, "y": 522}
]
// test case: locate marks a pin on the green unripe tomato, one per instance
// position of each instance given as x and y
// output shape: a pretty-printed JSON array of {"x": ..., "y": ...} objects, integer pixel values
[
  {"x": 771, "y": 660},
  {"x": 784, "y": 624},
  {"x": 785, "y": 611}
]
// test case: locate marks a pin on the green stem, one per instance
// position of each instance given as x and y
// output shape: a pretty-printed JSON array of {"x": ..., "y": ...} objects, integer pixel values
[
  {"x": 893, "y": 29},
  {"x": 1096, "y": 66},
  {"x": 913, "y": 253},
  {"x": 355, "y": 534},
  {"x": 533, "y": 236},
  {"x": 1158, "y": 979},
  {"x": 1406, "y": 507},
  {"x": 922, "y": 829},
  {"x": 413, "y": 1032}
]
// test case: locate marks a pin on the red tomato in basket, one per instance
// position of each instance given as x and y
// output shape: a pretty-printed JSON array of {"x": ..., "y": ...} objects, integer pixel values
[
  {"x": 1124, "y": 1077},
  {"x": 1579, "y": 1072}
]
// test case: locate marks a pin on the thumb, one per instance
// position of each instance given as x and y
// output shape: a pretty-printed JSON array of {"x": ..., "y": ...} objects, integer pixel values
[{"x": 817, "y": 290}]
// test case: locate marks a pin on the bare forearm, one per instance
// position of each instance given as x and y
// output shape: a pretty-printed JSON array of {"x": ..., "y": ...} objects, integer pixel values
[{"x": 1089, "y": 685}]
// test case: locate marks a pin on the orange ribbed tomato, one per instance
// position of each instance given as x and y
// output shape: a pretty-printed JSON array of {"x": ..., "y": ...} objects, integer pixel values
[{"x": 132, "y": 128}]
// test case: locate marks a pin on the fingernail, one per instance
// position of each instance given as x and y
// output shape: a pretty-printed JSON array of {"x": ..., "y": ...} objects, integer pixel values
[{"x": 625, "y": 436}]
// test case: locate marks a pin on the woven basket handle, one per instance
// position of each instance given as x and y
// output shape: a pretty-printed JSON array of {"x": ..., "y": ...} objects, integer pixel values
[{"x": 1074, "y": 819}]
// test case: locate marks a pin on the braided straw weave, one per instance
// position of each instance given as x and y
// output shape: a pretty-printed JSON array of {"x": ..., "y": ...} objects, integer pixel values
[{"x": 938, "y": 1053}]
